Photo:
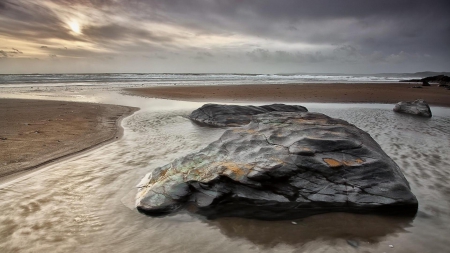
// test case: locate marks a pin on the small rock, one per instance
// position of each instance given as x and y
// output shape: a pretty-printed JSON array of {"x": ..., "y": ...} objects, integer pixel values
[
  {"x": 294, "y": 223},
  {"x": 3, "y": 138},
  {"x": 418, "y": 107},
  {"x": 391, "y": 246},
  {"x": 417, "y": 87}
]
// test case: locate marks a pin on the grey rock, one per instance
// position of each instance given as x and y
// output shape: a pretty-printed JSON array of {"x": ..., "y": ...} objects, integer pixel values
[
  {"x": 282, "y": 165},
  {"x": 235, "y": 115},
  {"x": 418, "y": 107}
]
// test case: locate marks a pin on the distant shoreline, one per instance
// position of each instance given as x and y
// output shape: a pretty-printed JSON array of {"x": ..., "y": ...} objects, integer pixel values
[{"x": 384, "y": 93}]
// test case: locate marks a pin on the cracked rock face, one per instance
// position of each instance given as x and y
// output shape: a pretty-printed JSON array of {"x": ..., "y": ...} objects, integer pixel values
[
  {"x": 281, "y": 166},
  {"x": 235, "y": 115},
  {"x": 418, "y": 107}
]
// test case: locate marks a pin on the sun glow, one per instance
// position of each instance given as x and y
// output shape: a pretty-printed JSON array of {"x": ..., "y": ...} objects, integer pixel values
[{"x": 75, "y": 26}]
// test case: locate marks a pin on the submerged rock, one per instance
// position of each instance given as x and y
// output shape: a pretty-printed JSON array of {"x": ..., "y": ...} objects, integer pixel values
[
  {"x": 236, "y": 115},
  {"x": 418, "y": 107},
  {"x": 282, "y": 165}
]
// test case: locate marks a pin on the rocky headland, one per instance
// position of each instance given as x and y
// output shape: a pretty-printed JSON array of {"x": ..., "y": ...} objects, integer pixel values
[{"x": 441, "y": 79}]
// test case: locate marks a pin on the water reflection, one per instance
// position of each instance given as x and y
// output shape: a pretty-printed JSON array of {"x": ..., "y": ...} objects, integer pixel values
[{"x": 364, "y": 228}]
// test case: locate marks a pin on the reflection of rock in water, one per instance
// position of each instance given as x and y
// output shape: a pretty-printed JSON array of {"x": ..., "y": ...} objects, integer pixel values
[{"x": 367, "y": 228}]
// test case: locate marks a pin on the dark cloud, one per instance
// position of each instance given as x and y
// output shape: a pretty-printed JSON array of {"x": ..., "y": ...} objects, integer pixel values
[
  {"x": 75, "y": 52},
  {"x": 339, "y": 55},
  {"x": 17, "y": 51},
  {"x": 204, "y": 56},
  {"x": 118, "y": 32},
  {"x": 90, "y": 3},
  {"x": 10, "y": 53},
  {"x": 383, "y": 25}
]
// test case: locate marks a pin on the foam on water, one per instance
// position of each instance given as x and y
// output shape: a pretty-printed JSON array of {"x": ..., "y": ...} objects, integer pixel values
[
  {"x": 125, "y": 80},
  {"x": 85, "y": 204}
]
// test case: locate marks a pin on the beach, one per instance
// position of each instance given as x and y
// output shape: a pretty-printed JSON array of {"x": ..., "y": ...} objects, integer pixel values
[
  {"x": 224, "y": 126},
  {"x": 36, "y": 132},
  {"x": 77, "y": 204},
  {"x": 385, "y": 93}
]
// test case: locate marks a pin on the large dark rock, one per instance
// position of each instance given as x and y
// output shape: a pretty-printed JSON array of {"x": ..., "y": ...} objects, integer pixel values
[
  {"x": 282, "y": 165},
  {"x": 236, "y": 115},
  {"x": 438, "y": 79},
  {"x": 418, "y": 107}
]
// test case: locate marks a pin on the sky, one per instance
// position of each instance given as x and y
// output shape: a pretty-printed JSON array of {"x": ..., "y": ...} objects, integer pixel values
[{"x": 224, "y": 36}]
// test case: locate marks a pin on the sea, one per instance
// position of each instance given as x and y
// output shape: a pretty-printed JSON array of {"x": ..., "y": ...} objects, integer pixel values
[
  {"x": 86, "y": 203},
  {"x": 145, "y": 79}
]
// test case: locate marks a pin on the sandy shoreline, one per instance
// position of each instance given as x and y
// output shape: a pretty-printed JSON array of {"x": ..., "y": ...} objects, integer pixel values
[
  {"x": 307, "y": 92},
  {"x": 34, "y": 133}
]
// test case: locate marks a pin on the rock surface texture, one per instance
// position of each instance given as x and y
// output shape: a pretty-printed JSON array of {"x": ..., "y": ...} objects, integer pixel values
[
  {"x": 418, "y": 107},
  {"x": 282, "y": 165},
  {"x": 236, "y": 115}
]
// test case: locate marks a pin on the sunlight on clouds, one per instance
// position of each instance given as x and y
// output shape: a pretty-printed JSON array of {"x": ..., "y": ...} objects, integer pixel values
[
  {"x": 186, "y": 38},
  {"x": 75, "y": 26}
]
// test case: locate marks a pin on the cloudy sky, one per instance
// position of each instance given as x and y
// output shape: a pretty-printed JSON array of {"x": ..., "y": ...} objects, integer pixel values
[{"x": 241, "y": 36}]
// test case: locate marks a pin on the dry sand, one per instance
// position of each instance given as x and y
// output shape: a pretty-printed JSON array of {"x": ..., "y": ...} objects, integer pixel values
[
  {"x": 308, "y": 92},
  {"x": 37, "y": 132}
]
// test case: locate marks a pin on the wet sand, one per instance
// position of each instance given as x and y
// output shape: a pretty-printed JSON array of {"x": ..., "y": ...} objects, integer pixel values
[
  {"x": 307, "y": 92},
  {"x": 36, "y": 132}
]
